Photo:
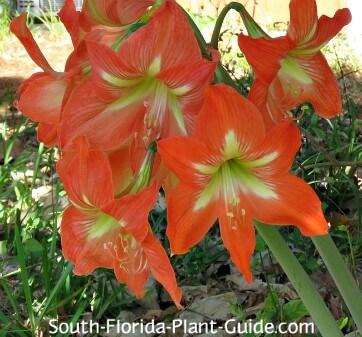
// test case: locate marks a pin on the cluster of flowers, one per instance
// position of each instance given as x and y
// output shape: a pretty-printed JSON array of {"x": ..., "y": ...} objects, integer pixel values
[{"x": 136, "y": 110}]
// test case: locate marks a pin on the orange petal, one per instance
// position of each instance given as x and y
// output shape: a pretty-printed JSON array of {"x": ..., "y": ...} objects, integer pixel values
[
  {"x": 22, "y": 32},
  {"x": 112, "y": 78},
  {"x": 323, "y": 91},
  {"x": 181, "y": 155},
  {"x": 186, "y": 82},
  {"x": 87, "y": 253},
  {"x": 112, "y": 13},
  {"x": 303, "y": 20},
  {"x": 42, "y": 99},
  {"x": 297, "y": 204},
  {"x": 132, "y": 211},
  {"x": 161, "y": 267},
  {"x": 135, "y": 282},
  {"x": 238, "y": 236},
  {"x": 187, "y": 77},
  {"x": 70, "y": 18},
  {"x": 77, "y": 60},
  {"x": 130, "y": 11},
  {"x": 27, "y": 82},
  {"x": 122, "y": 174},
  {"x": 225, "y": 111},
  {"x": 265, "y": 56},
  {"x": 91, "y": 119},
  {"x": 48, "y": 134},
  {"x": 169, "y": 182},
  {"x": 80, "y": 174},
  {"x": 187, "y": 226},
  {"x": 328, "y": 28},
  {"x": 259, "y": 93},
  {"x": 274, "y": 155},
  {"x": 313, "y": 81},
  {"x": 168, "y": 27}
]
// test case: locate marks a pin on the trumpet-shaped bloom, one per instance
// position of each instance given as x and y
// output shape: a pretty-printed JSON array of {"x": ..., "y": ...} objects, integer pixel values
[
  {"x": 113, "y": 17},
  {"x": 100, "y": 231},
  {"x": 152, "y": 87},
  {"x": 234, "y": 172},
  {"x": 291, "y": 70}
]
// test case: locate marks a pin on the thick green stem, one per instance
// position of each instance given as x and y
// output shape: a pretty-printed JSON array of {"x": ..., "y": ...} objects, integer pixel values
[
  {"x": 341, "y": 276},
  {"x": 254, "y": 30},
  {"x": 221, "y": 75},
  {"x": 300, "y": 280},
  {"x": 199, "y": 37}
]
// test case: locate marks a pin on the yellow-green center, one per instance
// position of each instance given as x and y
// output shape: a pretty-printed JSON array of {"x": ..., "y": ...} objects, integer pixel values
[{"x": 233, "y": 176}]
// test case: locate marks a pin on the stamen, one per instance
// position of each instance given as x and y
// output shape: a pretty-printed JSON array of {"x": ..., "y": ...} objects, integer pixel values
[{"x": 131, "y": 257}]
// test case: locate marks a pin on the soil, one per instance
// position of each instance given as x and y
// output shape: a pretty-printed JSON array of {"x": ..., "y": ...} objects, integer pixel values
[{"x": 16, "y": 65}]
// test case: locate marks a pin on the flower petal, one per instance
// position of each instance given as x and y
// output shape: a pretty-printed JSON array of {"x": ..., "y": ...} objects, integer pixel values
[
  {"x": 297, "y": 204},
  {"x": 226, "y": 112},
  {"x": 128, "y": 11},
  {"x": 91, "y": 119},
  {"x": 238, "y": 236},
  {"x": 188, "y": 76},
  {"x": 161, "y": 267},
  {"x": 114, "y": 13},
  {"x": 42, "y": 99},
  {"x": 168, "y": 38},
  {"x": 264, "y": 55},
  {"x": 112, "y": 78},
  {"x": 70, "y": 18},
  {"x": 22, "y": 32},
  {"x": 187, "y": 226},
  {"x": 274, "y": 156},
  {"x": 182, "y": 155},
  {"x": 48, "y": 134},
  {"x": 324, "y": 93},
  {"x": 132, "y": 211},
  {"x": 259, "y": 93},
  {"x": 135, "y": 282},
  {"x": 79, "y": 174},
  {"x": 122, "y": 174},
  {"x": 186, "y": 83},
  {"x": 327, "y": 29},
  {"x": 303, "y": 20},
  {"x": 77, "y": 60},
  {"x": 82, "y": 243},
  {"x": 313, "y": 81}
]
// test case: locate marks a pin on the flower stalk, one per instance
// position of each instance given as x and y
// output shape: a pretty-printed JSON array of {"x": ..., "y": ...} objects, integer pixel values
[
  {"x": 341, "y": 276},
  {"x": 221, "y": 75},
  {"x": 300, "y": 280},
  {"x": 254, "y": 30}
]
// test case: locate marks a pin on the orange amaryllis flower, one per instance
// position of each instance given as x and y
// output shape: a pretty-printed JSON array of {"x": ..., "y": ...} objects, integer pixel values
[
  {"x": 151, "y": 87},
  {"x": 291, "y": 70},
  {"x": 100, "y": 231},
  {"x": 232, "y": 171},
  {"x": 113, "y": 17},
  {"x": 44, "y": 93}
]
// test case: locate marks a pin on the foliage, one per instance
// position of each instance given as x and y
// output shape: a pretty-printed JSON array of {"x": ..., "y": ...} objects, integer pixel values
[{"x": 4, "y": 21}]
